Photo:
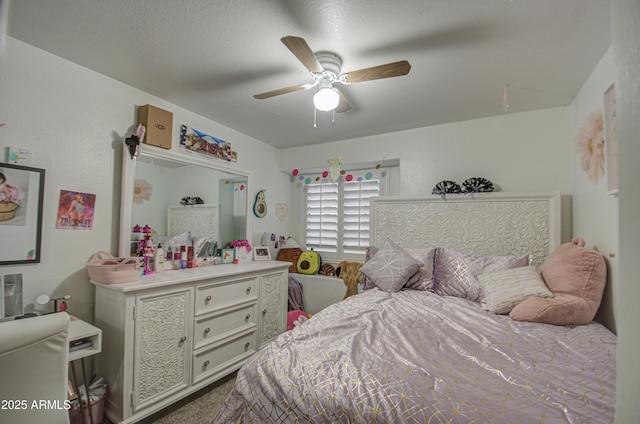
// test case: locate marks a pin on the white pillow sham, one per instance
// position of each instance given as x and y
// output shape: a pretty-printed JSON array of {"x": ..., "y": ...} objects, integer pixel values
[{"x": 503, "y": 290}]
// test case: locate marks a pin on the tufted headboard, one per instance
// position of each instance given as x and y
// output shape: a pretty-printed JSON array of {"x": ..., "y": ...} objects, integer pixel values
[{"x": 488, "y": 224}]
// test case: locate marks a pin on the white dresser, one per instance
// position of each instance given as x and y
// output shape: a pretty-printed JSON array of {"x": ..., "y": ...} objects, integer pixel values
[{"x": 173, "y": 333}]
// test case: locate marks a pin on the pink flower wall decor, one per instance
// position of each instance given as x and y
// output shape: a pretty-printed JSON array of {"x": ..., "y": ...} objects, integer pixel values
[{"x": 590, "y": 143}]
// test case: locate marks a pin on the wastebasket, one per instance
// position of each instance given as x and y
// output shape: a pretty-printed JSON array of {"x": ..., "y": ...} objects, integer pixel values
[{"x": 97, "y": 412}]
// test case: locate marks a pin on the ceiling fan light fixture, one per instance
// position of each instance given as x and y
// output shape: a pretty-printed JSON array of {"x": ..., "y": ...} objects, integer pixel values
[{"x": 326, "y": 99}]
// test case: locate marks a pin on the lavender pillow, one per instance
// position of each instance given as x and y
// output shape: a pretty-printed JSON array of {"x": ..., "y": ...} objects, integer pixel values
[
  {"x": 391, "y": 267},
  {"x": 421, "y": 280},
  {"x": 456, "y": 274}
]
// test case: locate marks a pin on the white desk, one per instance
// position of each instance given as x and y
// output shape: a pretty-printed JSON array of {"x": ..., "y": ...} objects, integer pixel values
[{"x": 79, "y": 330}]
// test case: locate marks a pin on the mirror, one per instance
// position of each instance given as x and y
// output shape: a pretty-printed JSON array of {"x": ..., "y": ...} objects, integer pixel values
[{"x": 174, "y": 192}]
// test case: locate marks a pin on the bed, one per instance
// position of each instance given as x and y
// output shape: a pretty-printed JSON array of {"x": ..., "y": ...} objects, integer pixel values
[{"x": 420, "y": 355}]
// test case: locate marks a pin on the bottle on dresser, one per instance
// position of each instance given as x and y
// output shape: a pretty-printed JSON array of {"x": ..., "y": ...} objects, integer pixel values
[
  {"x": 168, "y": 263},
  {"x": 158, "y": 259},
  {"x": 176, "y": 257},
  {"x": 183, "y": 257},
  {"x": 190, "y": 257}
]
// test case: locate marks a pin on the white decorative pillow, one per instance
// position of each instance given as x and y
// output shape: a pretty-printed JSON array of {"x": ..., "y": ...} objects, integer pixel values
[
  {"x": 503, "y": 290},
  {"x": 391, "y": 267},
  {"x": 456, "y": 273}
]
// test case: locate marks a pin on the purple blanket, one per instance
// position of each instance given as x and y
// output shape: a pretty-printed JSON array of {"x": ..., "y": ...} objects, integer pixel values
[{"x": 417, "y": 357}]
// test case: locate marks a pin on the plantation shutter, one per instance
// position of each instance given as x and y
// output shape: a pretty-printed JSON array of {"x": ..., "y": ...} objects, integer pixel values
[
  {"x": 356, "y": 214},
  {"x": 322, "y": 217}
]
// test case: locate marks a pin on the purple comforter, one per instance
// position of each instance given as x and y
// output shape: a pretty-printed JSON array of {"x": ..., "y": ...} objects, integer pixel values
[{"x": 417, "y": 357}]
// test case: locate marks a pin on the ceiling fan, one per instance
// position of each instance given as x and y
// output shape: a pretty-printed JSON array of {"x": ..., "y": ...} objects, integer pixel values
[{"x": 325, "y": 68}]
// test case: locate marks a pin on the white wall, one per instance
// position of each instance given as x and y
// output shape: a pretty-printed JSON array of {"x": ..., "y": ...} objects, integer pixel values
[
  {"x": 516, "y": 151},
  {"x": 74, "y": 121},
  {"x": 625, "y": 19},
  {"x": 595, "y": 213}
]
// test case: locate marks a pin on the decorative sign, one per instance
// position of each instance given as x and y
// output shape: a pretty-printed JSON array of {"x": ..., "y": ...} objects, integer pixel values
[
  {"x": 282, "y": 209},
  {"x": 260, "y": 205},
  {"x": 208, "y": 145}
]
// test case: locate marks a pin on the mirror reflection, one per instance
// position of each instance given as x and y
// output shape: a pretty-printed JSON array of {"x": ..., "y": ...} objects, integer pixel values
[{"x": 180, "y": 200}]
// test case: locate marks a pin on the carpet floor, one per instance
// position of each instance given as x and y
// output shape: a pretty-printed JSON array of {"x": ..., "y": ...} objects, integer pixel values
[{"x": 197, "y": 408}]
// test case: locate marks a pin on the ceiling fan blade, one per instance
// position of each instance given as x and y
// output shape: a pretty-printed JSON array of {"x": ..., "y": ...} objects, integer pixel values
[
  {"x": 396, "y": 69},
  {"x": 303, "y": 52},
  {"x": 344, "y": 104},
  {"x": 280, "y": 91}
]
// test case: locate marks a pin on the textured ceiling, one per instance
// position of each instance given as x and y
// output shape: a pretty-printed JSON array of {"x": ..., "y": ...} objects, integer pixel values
[{"x": 212, "y": 56}]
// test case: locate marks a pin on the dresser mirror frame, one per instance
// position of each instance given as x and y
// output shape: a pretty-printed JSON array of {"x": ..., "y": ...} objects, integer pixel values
[{"x": 151, "y": 153}]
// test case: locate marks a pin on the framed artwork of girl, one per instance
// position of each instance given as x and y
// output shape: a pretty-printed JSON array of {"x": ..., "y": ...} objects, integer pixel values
[{"x": 8, "y": 192}]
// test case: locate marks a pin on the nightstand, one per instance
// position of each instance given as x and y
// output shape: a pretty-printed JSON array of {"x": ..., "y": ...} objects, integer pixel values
[
  {"x": 81, "y": 330},
  {"x": 85, "y": 340}
]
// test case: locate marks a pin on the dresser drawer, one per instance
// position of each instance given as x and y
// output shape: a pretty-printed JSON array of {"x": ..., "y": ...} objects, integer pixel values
[
  {"x": 212, "y": 327},
  {"x": 225, "y": 293},
  {"x": 228, "y": 354}
]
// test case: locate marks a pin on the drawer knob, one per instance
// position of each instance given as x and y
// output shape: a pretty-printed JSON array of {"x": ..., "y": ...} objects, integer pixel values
[
  {"x": 246, "y": 346},
  {"x": 264, "y": 312},
  {"x": 183, "y": 339},
  {"x": 207, "y": 299},
  {"x": 206, "y": 363},
  {"x": 248, "y": 290},
  {"x": 206, "y": 330},
  {"x": 248, "y": 317}
]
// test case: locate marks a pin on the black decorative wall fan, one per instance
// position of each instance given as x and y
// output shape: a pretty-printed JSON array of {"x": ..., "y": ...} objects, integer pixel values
[{"x": 477, "y": 185}]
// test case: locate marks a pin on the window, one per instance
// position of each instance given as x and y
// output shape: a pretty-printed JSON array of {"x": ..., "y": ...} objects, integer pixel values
[{"x": 338, "y": 215}]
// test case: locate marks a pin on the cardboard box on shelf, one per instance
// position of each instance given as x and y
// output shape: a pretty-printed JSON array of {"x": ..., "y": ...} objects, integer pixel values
[{"x": 158, "y": 124}]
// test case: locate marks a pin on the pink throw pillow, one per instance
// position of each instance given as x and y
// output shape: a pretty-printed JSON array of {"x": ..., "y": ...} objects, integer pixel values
[{"x": 576, "y": 275}]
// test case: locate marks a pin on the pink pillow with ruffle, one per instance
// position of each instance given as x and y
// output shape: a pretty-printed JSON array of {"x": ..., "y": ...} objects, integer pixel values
[{"x": 577, "y": 276}]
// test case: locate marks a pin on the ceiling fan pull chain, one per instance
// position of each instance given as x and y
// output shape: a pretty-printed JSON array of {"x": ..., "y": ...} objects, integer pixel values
[
  {"x": 333, "y": 120},
  {"x": 505, "y": 97},
  {"x": 315, "y": 113}
]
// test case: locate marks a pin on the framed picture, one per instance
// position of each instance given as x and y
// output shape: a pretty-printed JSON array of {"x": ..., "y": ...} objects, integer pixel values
[
  {"x": 21, "y": 198},
  {"x": 242, "y": 255},
  {"x": 228, "y": 255},
  {"x": 261, "y": 253},
  {"x": 610, "y": 141}
]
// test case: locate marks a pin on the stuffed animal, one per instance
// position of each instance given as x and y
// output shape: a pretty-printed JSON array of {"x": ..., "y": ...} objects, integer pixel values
[
  {"x": 327, "y": 269},
  {"x": 577, "y": 277},
  {"x": 309, "y": 262},
  {"x": 295, "y": 318},
  {"x": 351, "y": 275}
]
